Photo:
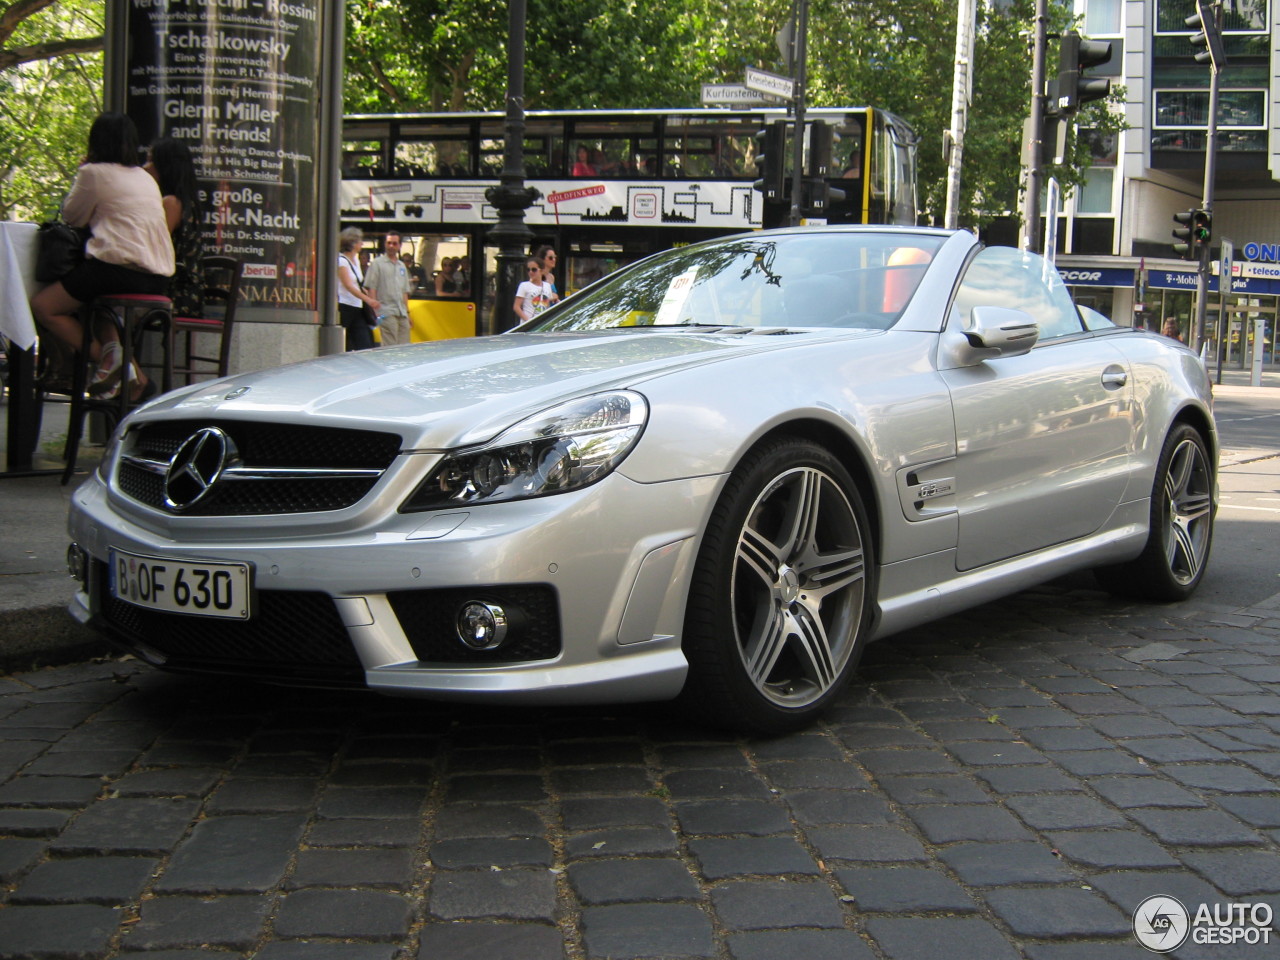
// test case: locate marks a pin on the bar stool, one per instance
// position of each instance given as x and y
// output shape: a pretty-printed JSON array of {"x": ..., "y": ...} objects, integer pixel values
[
  {"x": 134, "y": 316},
  {"x": 221, "y": 295}
]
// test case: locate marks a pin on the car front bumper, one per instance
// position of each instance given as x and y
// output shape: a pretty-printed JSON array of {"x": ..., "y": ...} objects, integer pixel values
[{"x": 352, "y": 604}]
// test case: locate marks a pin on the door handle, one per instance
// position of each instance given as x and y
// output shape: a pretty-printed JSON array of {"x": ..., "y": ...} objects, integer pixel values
[{"x": 1113, "y": 378}]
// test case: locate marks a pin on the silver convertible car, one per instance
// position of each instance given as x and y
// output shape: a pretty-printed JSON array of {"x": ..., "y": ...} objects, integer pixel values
[{"x": 714, "y": 475}]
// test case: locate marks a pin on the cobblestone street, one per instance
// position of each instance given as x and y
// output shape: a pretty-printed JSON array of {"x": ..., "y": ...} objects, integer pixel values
[{"x": 1006, "y": 783}]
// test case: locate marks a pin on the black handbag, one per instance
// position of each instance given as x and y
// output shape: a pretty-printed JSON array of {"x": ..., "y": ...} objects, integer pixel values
[{"x": 59, "y": 250}]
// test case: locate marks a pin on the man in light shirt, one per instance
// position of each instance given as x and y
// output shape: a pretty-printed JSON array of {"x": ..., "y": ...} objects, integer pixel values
[{"x": 388, "y": 281}]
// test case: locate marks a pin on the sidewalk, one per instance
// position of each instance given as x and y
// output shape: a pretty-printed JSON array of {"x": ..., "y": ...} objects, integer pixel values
[{"x": 36, "y": 630}]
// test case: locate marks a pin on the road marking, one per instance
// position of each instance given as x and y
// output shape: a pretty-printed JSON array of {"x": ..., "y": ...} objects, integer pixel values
[
  {"x": 1238, "y": 506},
  {"x": 1260, "y": 416}
]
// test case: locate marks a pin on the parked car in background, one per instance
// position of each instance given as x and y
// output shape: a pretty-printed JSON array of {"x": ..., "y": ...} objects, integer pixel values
[{"x": 714, "y": 475}]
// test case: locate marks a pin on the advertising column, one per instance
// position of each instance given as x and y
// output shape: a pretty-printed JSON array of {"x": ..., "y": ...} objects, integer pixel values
[{"x": 238, "y": 81}]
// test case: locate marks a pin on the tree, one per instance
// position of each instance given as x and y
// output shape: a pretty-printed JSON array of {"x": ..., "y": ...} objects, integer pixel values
[
  {"x": 29, "y": 49},
  {"x": 51, "y": 88},
  {"x": 451, "y": 54}
]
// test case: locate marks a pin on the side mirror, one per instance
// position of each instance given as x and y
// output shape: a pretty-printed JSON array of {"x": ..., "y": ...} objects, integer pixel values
[
  {"x": 992, "y": 332},
  {"x": 1009, "y": 331}
]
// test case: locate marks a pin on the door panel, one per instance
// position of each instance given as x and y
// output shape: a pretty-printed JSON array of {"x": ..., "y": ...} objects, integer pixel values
[
  {"x": 1044, "y": 440},
  {"x": 1043, "y": 445}
]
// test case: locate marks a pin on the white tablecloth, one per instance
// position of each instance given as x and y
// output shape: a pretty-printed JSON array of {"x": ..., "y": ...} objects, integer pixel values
[{"x": 17, "y": 282}]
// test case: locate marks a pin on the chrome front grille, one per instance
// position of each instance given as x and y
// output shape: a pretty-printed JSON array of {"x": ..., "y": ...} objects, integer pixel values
[{"x": 276, "y": 468}]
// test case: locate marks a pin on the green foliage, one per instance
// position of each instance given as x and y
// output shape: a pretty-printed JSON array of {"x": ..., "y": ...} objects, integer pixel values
[
  {"x": 451, "y": 55},
  {"x": 51, "y": 90}
]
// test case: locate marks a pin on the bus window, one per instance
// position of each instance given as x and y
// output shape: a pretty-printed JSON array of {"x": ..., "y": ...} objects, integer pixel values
[
  {"x": 544, "y": 147},
  {"x": 903, "y": 199},
  {"x": 848, "y": 151},
  {"x": 491, "y": 156},
  {"x": 609, "y": 148},
  {"x": 362, "y": 158},
  {"x": 439, "y": 150},
  {"x": 711, "y": 147},
  {"x": 441, "y": 267},
  {"x": 586, "y": 269}
]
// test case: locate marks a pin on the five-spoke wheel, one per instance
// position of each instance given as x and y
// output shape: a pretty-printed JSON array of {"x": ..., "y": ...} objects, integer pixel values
[
  {"x": 782, "y": 592},
  {"x": 1181, "y": 533}
]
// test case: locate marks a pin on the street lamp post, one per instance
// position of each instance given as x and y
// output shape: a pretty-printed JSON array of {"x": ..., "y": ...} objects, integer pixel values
[{"x": 511, "y": 197}]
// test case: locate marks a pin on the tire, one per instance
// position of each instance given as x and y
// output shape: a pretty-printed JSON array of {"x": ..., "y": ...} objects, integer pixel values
[
  {"x": 781, "y": 595},
  {"x": 1173, "y": 562}
]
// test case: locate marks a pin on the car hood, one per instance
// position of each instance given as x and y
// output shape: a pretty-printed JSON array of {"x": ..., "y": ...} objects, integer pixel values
[{"x": 460, "y": 392}]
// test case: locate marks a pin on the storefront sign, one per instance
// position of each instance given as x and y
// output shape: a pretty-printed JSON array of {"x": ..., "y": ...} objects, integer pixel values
[
  {"x": 1267, "y": 252},
  {"x": 237, "y": 82},
  {"x": 1176, "y": 280},
  {"x": 1096, "y": 276}
]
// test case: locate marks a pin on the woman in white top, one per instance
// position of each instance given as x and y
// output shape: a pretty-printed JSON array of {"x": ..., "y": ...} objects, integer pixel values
[
  {"x": 129, "y": 250},
  {"x": 351, "y": 295},
  {"x": 534, "y": 294}
]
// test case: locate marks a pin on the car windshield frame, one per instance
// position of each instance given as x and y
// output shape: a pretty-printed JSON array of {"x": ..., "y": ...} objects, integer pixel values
[{"x": 814, "y": 280}]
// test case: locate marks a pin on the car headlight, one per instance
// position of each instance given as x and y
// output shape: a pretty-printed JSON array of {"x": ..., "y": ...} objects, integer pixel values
[{"x": 567, "y": 447}]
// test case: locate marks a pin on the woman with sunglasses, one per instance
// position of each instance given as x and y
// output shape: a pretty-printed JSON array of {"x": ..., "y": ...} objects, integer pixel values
[{"x": 533, "y": 295}]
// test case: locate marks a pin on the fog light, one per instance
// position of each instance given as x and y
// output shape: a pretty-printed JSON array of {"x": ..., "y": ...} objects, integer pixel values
[
  {"x": 77, "y": 563},
  {"x": 482, "y": 626}
]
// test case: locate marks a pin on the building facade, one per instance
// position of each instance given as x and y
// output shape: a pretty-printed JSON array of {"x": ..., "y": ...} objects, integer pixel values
[{"x": 1115, "y": 234}]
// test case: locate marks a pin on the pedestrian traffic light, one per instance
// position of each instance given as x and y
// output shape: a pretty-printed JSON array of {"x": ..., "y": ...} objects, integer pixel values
[
  {"x": 1201, "y": 230},
  {"x": 1072, "y": 88},
  {"x": 1209, "y": 35},
  {"x": 1193, "y": 233},
  {"x": 771, "y": 160}
]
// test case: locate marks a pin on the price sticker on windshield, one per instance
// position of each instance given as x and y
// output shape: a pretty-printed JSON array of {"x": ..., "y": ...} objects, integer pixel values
[{"x": 672, "y": 309}]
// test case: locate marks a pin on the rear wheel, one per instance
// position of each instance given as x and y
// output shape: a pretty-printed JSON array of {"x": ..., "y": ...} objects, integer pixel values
[
  {"x": 781, "y": 594},
  {"x": 1181, "y": 534}
]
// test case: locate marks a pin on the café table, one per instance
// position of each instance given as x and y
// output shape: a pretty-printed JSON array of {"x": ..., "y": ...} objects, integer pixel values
[{"x": 17, "y": 284}]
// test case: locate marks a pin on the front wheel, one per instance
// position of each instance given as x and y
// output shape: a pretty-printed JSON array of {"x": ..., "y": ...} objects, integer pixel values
[
  {"x": 1173, "y": 562},
  {"x": 781, "y": 596}
]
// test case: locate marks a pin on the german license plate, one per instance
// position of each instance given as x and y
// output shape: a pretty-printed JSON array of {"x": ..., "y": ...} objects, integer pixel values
[{"x": 180, "y": 586}]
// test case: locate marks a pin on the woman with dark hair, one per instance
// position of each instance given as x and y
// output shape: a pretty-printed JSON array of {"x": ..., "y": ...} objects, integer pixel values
[
  {"x": 129, "y": 250},
  {"x": 174, "y": 170},
  {"x": 547, "y": 256}
]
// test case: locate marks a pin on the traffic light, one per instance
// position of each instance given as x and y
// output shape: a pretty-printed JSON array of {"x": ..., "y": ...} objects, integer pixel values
[
  {"x": 1072, "y": 88},
  {"x": 1201, "y": 230},
  {"x": 818, "y": 193},
  {"x": 821, "y": 141},
  {"x": 1194, "y": 233},
  {"x": 771, "y": 160},
  {"x": 1209, "y": 37}
]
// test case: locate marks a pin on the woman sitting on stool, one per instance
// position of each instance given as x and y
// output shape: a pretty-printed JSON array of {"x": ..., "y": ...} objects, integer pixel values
[
  {"x": 129, "y": 251},
  {"x": 171, "y": 164}
]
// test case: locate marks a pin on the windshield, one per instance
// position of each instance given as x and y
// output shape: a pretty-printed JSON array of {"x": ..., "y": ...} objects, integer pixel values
[{"x": 837, "y": 279}]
